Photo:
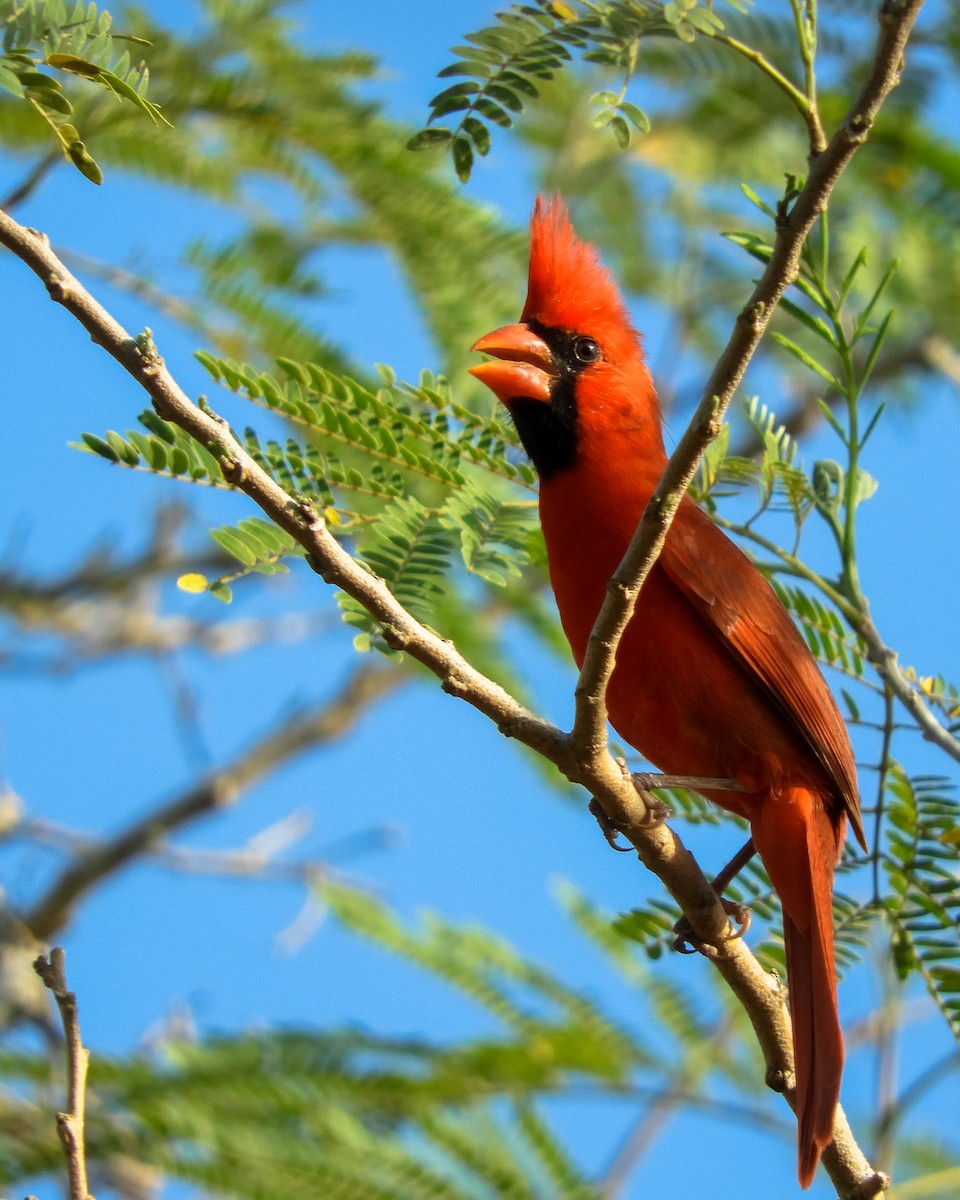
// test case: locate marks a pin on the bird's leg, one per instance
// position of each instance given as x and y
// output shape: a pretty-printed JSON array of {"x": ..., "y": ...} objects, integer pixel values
[
  {"x": 657, "y": 811},
  {"x": 687, "y": 941},
  {"x": 607, "y": 828}
]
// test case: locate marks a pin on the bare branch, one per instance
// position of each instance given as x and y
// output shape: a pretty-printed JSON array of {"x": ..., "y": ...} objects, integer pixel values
[
  {"x": 256, "y": 859},
  {"x": 218, "y": 790},
  {"x": 70, "y": 1123}
]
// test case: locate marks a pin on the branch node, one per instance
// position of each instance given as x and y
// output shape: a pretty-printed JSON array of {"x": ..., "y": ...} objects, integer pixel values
[
  {"x": 452, "y": 685},
  {"x": 151, "y": 364},
  {"x": 874, "y": 1184},
  {"x": 232, "y": 469},
  {"x": 753, "y": 316},
  {"x": 204, "y": 405},
  {"x": 57, "y": 289},
  {"x": 396, "y": 639},
  {"x": 778, "y": 1080},
  {"x": 304, "y": 510}
]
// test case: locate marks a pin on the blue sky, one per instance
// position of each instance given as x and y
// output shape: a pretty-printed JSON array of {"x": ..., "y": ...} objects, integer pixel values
[{"x": 482, "y": 838}]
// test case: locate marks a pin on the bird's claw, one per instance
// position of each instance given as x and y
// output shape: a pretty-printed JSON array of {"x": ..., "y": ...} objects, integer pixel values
[
  {"x": 657, "y": 813},
  {"x": 688, "y": 942},
  {"x": 608, "y": 829}
]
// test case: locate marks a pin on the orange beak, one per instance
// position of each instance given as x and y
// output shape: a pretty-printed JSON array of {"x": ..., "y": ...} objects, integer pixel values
[{"x": 521, "y": 367}]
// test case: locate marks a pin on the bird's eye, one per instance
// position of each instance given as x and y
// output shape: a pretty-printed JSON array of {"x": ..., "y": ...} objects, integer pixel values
[{"x": 586, "y": 350}]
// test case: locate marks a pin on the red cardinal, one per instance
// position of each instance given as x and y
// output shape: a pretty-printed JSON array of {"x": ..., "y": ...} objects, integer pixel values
[{"x": 712, "y": 677}]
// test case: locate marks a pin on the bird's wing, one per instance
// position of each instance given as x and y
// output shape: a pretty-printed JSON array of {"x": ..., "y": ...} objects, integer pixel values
[{"x": 725, "y": 587}]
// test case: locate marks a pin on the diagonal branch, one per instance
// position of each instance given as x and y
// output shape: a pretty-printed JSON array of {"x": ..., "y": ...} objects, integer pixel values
[
  {"x": 793, "y": 227},
  {"x": 658, "y": 846},
  {"x": 218, "y": 790}
]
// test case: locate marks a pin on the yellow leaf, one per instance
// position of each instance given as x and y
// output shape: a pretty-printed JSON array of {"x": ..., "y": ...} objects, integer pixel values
[
  {"x": 564, "y": 11},
  {"x": 193, "y": 583},
  {"x": 331, "y": 516}
]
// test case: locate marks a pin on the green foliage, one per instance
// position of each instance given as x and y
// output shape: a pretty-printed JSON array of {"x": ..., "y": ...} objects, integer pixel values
[
  {"x": 507, "y": 63},
  {"x": 79, "y": 42},
  {"x": 922, "y": 862},
  {"x": 348, "y": 1114},
  {"x": 161, "y": 448},
  {"x": 418, "y": 484},
  {"x": 250, "y": 103}
]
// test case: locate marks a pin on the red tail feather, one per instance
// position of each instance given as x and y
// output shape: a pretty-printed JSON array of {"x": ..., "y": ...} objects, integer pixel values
[{"x": 804, "y": 883}]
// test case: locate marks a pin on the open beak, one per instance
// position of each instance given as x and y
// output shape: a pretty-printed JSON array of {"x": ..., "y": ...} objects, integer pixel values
[{"x": 521, "y": 367}]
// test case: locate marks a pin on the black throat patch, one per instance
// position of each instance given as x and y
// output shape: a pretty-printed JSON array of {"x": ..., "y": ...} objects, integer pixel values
[{"x": 549, "y": 431}]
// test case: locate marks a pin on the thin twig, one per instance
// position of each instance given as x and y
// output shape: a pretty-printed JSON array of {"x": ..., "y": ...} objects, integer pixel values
[
  {"x": 32, "y": 180},
  {"x": 893, "y": 1113},
  {"x": 806, "y": 109},
  {"x": 70, "y": 1124},
  {"x": 251, "y": 860},
  {"x": 686, "y": 1080}
]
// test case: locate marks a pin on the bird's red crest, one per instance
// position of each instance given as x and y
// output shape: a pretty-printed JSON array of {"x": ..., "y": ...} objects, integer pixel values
[{"x": 568, "y": 287}]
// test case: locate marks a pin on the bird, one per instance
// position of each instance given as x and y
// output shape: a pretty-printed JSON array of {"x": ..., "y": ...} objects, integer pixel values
[{"x": 712, "y": 677}]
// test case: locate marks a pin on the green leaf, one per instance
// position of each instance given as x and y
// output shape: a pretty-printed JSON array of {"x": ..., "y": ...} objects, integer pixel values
[
  {"x": 430, "y": 138},
  {"x": 234, "y": 544},
  {"x": 636, "y": 116},
  {"x": 621, "y": 132},
  {"x": 462, "y": 158},
  {"x": 479, "y": 132},
  {"x": 815, "y": 324},
  {"x": 74, "y": 64},
  {"x": 85, "y": 164},
  {"x": 807, "y": 359},
  {"x": 99, "y": 446}
]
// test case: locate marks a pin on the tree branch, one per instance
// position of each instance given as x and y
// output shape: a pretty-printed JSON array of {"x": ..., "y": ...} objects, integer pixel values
[
  {"x": 658, "y": 846},
  {"x": 218, "y": 790},
  {"x": 70, "y": 1124}
]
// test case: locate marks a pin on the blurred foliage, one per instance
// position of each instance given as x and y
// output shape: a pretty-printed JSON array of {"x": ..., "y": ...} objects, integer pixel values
[
  {"x": 79, "y": 42},
  {"x": 348, "y": 1114},
  {"x": 661, "y": 132}
]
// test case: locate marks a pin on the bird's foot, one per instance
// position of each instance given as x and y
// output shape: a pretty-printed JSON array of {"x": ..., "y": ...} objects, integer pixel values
[
  {"x": 657, "y": 813},
  {"x": 688, "y": 942},
  {"x": 610, "y": 832}
]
